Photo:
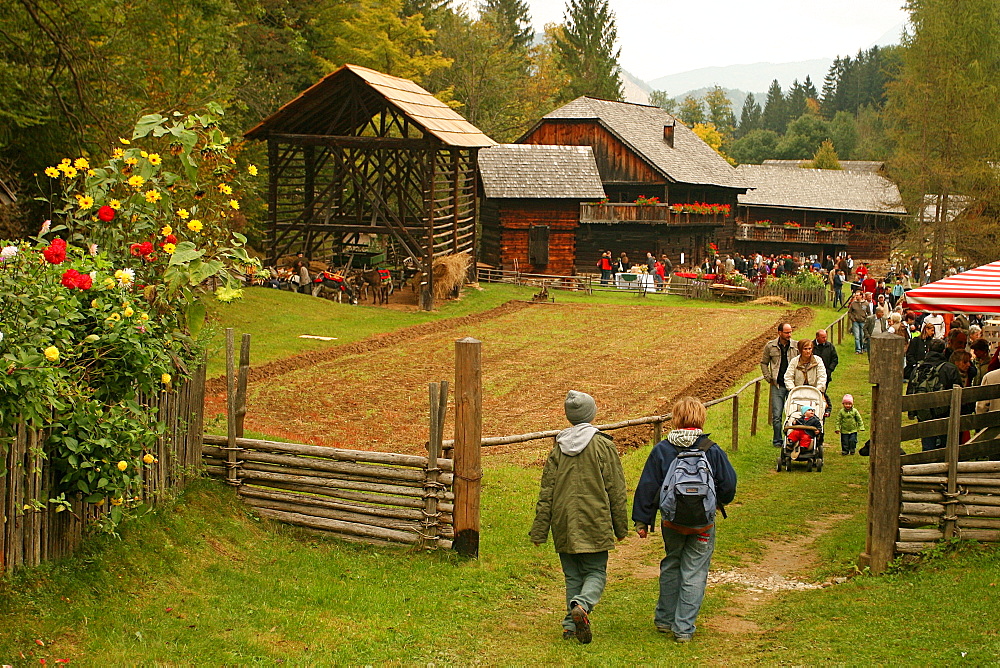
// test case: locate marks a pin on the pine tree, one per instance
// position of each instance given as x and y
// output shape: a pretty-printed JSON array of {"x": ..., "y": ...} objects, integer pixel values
[
  {"x": 826, "y": 157},
  {"x": 809, "y": 89},
  {"x": 795, "y": 103},
  {"x": 749, "y": 116},
  {"x": 661, "y": 99},
  {"x": 775, "y": 114},
  {"x": 511, "y": 19},
  {"x": 830, "y": 84},
  {"x": 587, "y": 49}
]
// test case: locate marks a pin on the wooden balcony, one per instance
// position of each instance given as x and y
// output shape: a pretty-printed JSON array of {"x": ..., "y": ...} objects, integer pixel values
[
  {"x": 649, "y": 214},
  {"x": 793, "y": 235}
]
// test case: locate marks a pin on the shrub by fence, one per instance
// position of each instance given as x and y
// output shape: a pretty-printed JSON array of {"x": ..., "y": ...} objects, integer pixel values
[{"x": 32, "y": 530}]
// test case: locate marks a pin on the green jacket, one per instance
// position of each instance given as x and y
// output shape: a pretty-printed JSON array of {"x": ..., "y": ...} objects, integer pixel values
[
  {"x": 582, "y": 499},
  {"x": 849, "y": 421}
]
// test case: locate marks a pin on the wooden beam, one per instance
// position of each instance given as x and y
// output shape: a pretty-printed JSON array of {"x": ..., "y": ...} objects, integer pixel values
[{"x": 354, "y": 142}]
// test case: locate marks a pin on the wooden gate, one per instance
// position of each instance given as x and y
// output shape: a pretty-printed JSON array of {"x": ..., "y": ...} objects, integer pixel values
[{"x": 918, "y": 499}]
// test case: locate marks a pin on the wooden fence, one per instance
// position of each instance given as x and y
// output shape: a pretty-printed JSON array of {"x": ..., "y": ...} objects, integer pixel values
[
  {"x": 918, "y": 499},
  {"x": 372, "y": 497},
  {"x": 32, "y": 531},
  {"x": 588, "y": 283}
]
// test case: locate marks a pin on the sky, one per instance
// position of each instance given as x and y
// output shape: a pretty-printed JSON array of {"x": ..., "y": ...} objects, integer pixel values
[{"x": 660, "y": 37}]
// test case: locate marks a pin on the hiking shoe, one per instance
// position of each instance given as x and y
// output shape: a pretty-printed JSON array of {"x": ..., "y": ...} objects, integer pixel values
[
  {"x": 664, "y": 629},
  {"x": 682, "y": 639},
  {"x": 569, "y": 635},
  {"x": 582, "y": 621}
]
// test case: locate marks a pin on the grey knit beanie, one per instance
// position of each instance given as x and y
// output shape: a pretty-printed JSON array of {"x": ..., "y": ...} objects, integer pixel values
[{"x": 580, "y": 407}]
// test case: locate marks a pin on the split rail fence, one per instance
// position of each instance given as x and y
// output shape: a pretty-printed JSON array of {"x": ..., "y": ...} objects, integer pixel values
[
  {"x": 919, "y": 499},
  {"x": 33, "y": 531},
  {"x": 380, "y": 498}
]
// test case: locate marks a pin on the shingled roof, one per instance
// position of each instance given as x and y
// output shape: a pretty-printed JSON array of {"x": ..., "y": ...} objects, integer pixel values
[
  {"x": 640, "y": 127},
  {"x": 849, "y": 165},
  {"x": 820, "y": 189},
  {"x": 538, "y": 171},
  {"x": 308, "y": 113}
]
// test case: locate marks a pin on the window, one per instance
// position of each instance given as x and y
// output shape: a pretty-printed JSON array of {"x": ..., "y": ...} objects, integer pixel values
[{"x": 538, "y": 245}]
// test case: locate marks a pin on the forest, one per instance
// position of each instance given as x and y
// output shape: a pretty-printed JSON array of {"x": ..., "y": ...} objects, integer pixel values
[{"x": 76, "y": 75}]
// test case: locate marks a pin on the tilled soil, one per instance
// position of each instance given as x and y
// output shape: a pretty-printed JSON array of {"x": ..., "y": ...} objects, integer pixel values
[{"x": 635, "y": 360}]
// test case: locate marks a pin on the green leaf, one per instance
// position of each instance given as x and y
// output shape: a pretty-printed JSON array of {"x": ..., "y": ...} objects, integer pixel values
[
  {"x": 196, "y": 317},
  {"x": 185, "y": 253},
  {"x": 146, "y": 125}
]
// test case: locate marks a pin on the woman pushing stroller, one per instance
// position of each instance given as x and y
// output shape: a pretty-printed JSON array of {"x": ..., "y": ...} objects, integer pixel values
[{"x": 806, "y": 368}]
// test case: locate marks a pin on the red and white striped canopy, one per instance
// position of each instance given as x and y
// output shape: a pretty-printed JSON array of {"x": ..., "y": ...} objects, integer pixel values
[{"x": 973, "y": 291}]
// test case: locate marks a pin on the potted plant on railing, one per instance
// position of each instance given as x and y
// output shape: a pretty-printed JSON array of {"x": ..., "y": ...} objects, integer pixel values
[
  {"x": 642, "y": 200},
  {"x": 848, "y": 226},
  {"x": 792, "y": 225},
  {"x": 762, "y": 224},
  {"x": 824, "y": 227}
]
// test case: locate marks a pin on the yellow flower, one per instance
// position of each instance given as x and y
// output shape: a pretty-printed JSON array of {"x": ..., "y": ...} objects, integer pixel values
[
  {"x": 64, "y": 161},
  {"x": 153, "y": 196},
  {"x": 143, "y": 317},
  {"x": 236, "y": 205},
  {"x": 148, "y": 458},
  {"x": 115, "y": 204},
  {"x": 93, "y": 302},
  {"x": 132, "y": 161},
  {"x": 169, "y": 248},
  {"x": 124, "y": 141},
  {"x": 52, "y": 172},
  {"x": 165, "y": 379},
  {"x": 84, "y": 201},
  {"x": 117, "y": 154},
  {"x": 117, "y": 502},
  {"x": 225, "y": 189},
  {"x": 114, "y": 317},
  {"x": 122, "y": 465},
  {"x": 70, "y": 172},
  {"x": 252, "y": 169},
  {"x": 183, "y": 214},
  {"x": 81, "y": 163},
  {"x": 109, "y": 283},
  {"x": 129, "y": 312},
  {"x": 136, "y": 181},
  {"x": 91, "y": 172},
  {"x": 194, "y": 225},
  {"x": 154, "y": 159},
  {"x": 51, "y": 354},
  {"x": 166, "y": 231}
]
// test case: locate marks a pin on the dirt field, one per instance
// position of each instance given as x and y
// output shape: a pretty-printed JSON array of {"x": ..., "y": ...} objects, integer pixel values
[{"x": 634, "y": 359}]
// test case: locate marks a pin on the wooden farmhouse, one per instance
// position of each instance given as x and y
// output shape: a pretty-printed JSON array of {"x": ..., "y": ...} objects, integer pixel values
[
  {"x": 641, "y": 153},
  {"x": 361, "y": 152},
  {"x": 530, "y": 210},
  {"x": 817, "y": 211}
]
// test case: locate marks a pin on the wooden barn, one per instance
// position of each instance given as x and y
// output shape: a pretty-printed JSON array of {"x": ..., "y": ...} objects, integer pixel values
[
  {"x": 817, "y": 211},
  {"x": 530, "y": 210},
  {"x": 642, "y": 152},
  {"x": 361, "y": 152}
]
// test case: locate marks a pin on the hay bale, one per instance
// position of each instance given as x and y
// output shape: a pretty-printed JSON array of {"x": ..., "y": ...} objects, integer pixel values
[
  {"x": 772, "y": 300},
  {"x": 449, "y": 273}
]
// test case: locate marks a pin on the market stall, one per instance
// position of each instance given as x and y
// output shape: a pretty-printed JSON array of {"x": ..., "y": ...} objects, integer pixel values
[{"x": 973, "y": 291}]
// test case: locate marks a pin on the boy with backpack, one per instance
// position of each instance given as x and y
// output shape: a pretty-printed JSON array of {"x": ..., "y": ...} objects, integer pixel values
[
  {"x": 687, "y": 477},
  {"x": 584, "y": 502}
]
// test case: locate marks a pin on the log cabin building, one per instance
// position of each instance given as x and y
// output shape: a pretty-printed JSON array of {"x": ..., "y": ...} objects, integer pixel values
[
  {"x": 530, "y": 208},
  {"x": 817, "y": 212},
  {"x": 641, "y": 151}
]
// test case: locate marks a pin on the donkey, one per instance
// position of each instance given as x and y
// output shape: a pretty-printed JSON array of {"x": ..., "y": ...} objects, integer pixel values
[
  {"x": 340, "y": 286},
  {"x": 380, "y": 282}
]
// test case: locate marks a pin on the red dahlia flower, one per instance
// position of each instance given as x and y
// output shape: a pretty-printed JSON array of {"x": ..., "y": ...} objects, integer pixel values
[
  {"x": 69, "y": 278},
  {"x": 106, "y": 214},
  {"x": 55, "y": 253}
]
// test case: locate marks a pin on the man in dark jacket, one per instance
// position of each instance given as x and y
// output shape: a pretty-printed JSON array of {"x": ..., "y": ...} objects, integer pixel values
[
  {"x": 935, "y": 365},
  {"x": 826, "y": 351},
  {"x": 916, "y": 349},
  {"x": 684, "y": 569},
  {"x": 584, "y": 502}
]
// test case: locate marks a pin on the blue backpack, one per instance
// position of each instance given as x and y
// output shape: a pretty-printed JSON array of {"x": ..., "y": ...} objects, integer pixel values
[{"x": 687, "y": 497}]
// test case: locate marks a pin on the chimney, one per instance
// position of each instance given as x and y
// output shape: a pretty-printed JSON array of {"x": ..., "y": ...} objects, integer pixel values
[{"x": 668, "y": 133}]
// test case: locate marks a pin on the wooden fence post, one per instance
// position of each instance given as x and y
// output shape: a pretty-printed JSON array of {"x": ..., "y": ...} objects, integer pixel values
[
  {"x": 736, "y": 423},
  {"x": 756, "y": 408},
  {"x": 431, "y": 526},
  {"x": 241, "y": 384},
  {"x": 657, "y": 432},
  {"x": 951, "y": 452},
  {"x": 230, "y": 408},
  {"x": 468, "y": 443},
  {"x": 886, "y": 373}
]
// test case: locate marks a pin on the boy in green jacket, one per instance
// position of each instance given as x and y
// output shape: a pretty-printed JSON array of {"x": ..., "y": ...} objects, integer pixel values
[
  {"x": 583, "y": 501},
  {"x": 849, "y": 423}
]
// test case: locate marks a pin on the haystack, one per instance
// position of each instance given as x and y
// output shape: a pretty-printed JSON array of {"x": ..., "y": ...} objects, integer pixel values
[
  {"x": 449, "y": 273},
  {"x": 771, "y": 300}
]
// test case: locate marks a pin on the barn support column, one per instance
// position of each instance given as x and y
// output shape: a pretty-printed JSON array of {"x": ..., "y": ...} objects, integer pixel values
[
  {"x": 427, "y": 293},
  {"x": 272, "y": 201}
]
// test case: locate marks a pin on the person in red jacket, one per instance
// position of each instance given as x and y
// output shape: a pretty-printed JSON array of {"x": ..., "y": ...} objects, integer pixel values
[{"x": 607, "y": 269}]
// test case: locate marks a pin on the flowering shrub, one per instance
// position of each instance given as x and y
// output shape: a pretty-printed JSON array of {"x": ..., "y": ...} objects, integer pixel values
[
  {"x": 712, "y": 249},
  {"x": 107, "y": 302}
]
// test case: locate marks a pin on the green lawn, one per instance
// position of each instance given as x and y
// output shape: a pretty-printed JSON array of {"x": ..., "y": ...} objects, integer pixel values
[{"x": 205, "y": 582}]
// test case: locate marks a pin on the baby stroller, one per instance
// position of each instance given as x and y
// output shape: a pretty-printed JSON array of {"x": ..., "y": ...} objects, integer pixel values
[{"x": 812, "y": 457}]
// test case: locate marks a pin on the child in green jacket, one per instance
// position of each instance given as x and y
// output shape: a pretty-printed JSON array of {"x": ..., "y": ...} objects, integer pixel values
[
  {"x": 849, "y": 423},
  {"x": 583, "y": 501}
]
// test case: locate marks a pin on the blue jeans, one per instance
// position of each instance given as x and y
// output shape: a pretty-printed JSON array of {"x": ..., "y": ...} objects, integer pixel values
[
  {"x": 683, "y": 575},
  {"x": 778, "y": 395},
  {"x": 933, "y": 442},
  {"x": 858, "y": 329},
  {"x": 586, "y": 575},
  {"x": 848, "y": 443},
  {"x": 838, "y": 297},
  {"x": 606, "y": 276}
]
